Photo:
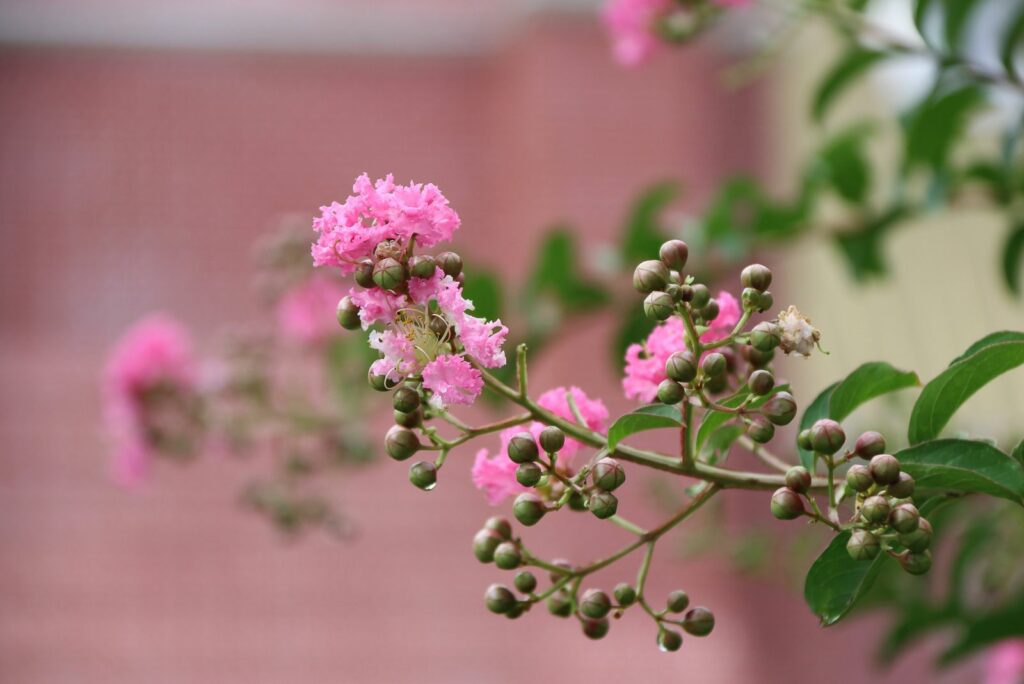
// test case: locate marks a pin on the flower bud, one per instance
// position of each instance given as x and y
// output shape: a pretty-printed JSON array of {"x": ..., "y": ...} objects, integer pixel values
[
  {"x": 674, "y": 254},
  {"x": 827, "y": 436},
  {"x": 875, "y": 510},
  {"x": 348, "y": 314},
  {"x": 409, "y": 420},
  {"x": 560, "y": 604},
  {"x": 506, "y": 556},
  {"x": 863, "y": 545},
  {"x": 484, "y": 544},
  {"x": 423, "y": 474},
  {"x": 686, "y": 293},
  {"x": 650, "y": 276},
  {"x": 701, "y": 296},
  {"x": 760, "y": 429},
  {"x": 659, "y": 305},
  {"x": 751, "y": 298},
  {"x": 608, "y": 474},
  {"x": 798, "y": 479},
  {"x": 780, "y": 409},
  {"x": 669, "y": 641},
  {"x": 595, "y": 629},
  {"x": 858, "y": 478},
  {"x": 603, "y": 504},
  {"x": 389, "y": 274},
  {"x": 378, "y": 382},
  {"x": 401, "y": 443},
  {"x": 699, "y": 621},
  {"x": 787, "y": 504},
  {"x": 757, "y": 359},
  {"x": 439, "y": 326},
  {"x": 499, "y": 599},
  {"x": 560, "y": 563},
  {"x": 717, "y": 385},
  {"x": 625, "y": 594},
  {"x": 516, "y": 611},
  {"x": 916, "y": 563},
  {"x": 525, "y": 582},
  {"x": 364, "y": 274},
  {"x": 904, "y": 518},
  {"x": 406, "y": 400},
  {"x": 670, "y": 392},
  {"x": 680, "y": 367},
  {"x": 803, "y": 440},
  {"x": 920, "y": 539},
  {"x": 678, "y": 601},
  {"x": 885, "y": 469},
  {"x": 869, "y": 444},
  {"x": 528, "y": 509},
  {"x": 500, "y": 526},
  {"x": 765, "y": 336},
  {"x": 710, "y": 311},
  {"x": 522, "y": 448},
  {"x": 756, "y": 276},
  {"x": 904, "y": 487},
  {"x": 713, "y": 364},
  {"x": 595, "y": 603},
  {"x": 761, "y": 382},
  {"x": 765, "y": 301},
  {"x": 422, "y": 266},
  {"x": 450, "y": 263},
  {"x": 552, "y": 439},
  {"x": 528, "y": 474},
  {"x": 577, "y": 502}
]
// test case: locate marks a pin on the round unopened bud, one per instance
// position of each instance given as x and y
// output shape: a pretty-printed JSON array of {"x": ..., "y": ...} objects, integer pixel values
[
  {"x": 869, "y": 444},
  {"x": 885, "y": 469},
  {"x": 560, "y": 604},
  {"x": 716, "y": 385},
  {"x": 625, "y": 594},
  {"x": 916, "y": 563},
  {"x": 522, "y": 448},
  {"x": 364, "y": 273},
  {"x": 406, "y": 400},
  {"x": 348, "y": 314},
  {"x": 378, "y": 382},
  {"x": 765, "y": 336},
  {"x": 669, "y": 641},
  {"x": 904, "y": 518},
  {"x": 650, "y": 276},
  {"x": 450, "y": 263},
  {"x": 756, "y": 358},
  {"x": 422, "y": 266},
  {"x": 920, "y": 539},
  {"x": 751, "y": 298},
  {"x": 756, "y": 276},
  {"x": 389, "y": 274},
  {"x": 423, "y": 474},
  {"x": 439, "y": 326},
  {"x": 699, "y": 621},
  {"x": 678, "y": 601},
  {"x": 608, "y": 474},
  {"x": 603, "y": 504},
  {"x": 500, "y": 526},
  {"x": 507, "y": 556},
  {"x": 798, "y": 479},
  {"x": 713, "y": 364},
  {"x": 875, "y": 510},
  {"x": 670, "y": 392},
  {"x": 710, "y": 311},
  {"x": 766, "y": 301},
  {"x": 528, "y": 474},
  {"x": 408, "y": 420},
  {"x": 595, "y": 629},
  {"x": 552, "y": 439},
  {"x": 685, "y": 293},
  {"x": 525, "y": 582},
  {"x": 787, "y": 504},
  {"x": 760, "y": 429},
  {"x": 904, "y": 487},
  {"x": 659, "y": 305},
  {"x": 761, "y": 382},
  {"x": 827, "y": 436},
  {"x": 701, "y": 296},
  {"x": 577, "y": 502},
  {"x": 528, "y": 509},
  {"x": 499, "y": 599},
  {"x": 516, "y": 611},
  {"x": 564, "y": 565},
  {"x": 862, "y": 545},
  {"x": 680, "y": 367},
  {"x": 401, "y": 443},
  {"x": 484, "y": 544},
  {"x": 803, "y": 440},
  {"x": 858, "y": 478},
  {"x": 595, "y": 603},
  {"x": 674, "y": 254},
  {"x": 780, "y": 409}
]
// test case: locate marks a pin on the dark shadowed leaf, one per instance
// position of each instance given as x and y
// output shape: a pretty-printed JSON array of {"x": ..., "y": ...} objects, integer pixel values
[{"x": 835, "y": 581}]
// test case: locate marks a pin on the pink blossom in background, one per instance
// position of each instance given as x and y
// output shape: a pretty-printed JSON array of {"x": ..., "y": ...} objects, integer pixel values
[
  {"x": 496, "y": 477},
  {"x": 306, "y": 313},
  {"x": 452, "y": 380},
  {"x": 631, "y": 25},
  {"x": 729, "y": 313},
  {"x": 1004, "y": 663}
]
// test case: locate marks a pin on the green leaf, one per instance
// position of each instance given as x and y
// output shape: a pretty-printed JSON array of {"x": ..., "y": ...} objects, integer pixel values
[
  {"x": 941, "y": 397},
  {"x": 557, "y": 273},
  {"x": 988, "y": 341},
  {"x": 715, "y": 419},
  {"x": 921, "y": 10},
  {"x": 651, "y": 417},
  {"x": 846, "y": 166},
  {"x": 862, "y": 248},
  {"x": 1013, "y": 259},
  {"x": 844, "y": 72},
  {"x": 1018, "y": 453},
  {"x": 484, "y": 290},
  {"x": 717, "y": 446},
  {"x": 956, "y": 14},
  {"x": 937, "y": 124},
  {"x": 835, "y": 581},
  {"x": 965, "y": 466},
  {"x": 1003, "y": 623},
  {"x": 643, "y": 235},
  {"x": 1012, "y": 41}
]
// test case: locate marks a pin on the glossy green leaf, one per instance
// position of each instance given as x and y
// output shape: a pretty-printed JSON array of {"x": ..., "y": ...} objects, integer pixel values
[
  {"x": 988, "y": 341},
  {"x": 1013, "y": 259},
  {"x": 835, "y": 581},
  {"x": 850, "y": 66},
  {"x": 717, "y": 446},
  {"x": 1018, "y": 453},
  {"x": 643, "y": 235},
  {"x": 713, "y": 420},
  {"x": 963, "y": 466},
  {"x": 653, "y": 417}
]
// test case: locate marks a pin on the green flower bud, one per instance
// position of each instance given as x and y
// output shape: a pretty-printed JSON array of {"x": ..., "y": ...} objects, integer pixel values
[
  {"x": 608, "y": 474},
  {"x": 670, "y": 392},
  {"x": 674, "y": 254},
  {"x": 364, "y": 274},
  {"x": 603, "y": 504},
  {"x": 625, "y": 594},
  {"x": 680, "y": 367},
  {"x": 528, "y": 474},
  {"x": 450, "y": 263},
  {"x": 650, "y": 276},
  {"x": 803, "y": 440},
  {"x": 439, "y": 325},
  {"x": 710, "y": 311},
  {"x": 499, "y": 599},
  {"x": 500, "y": 526},
  {"x": 760, "y": 429},
  {"x": 904, "y": 518},
  {"x": 761, "y": 382},
  {"x": 669, "y": 641},
  {"x": 522, "y": 448},
  {"x": 699, "y": 621},
  {"x": 766, "y": 301},
  {"x": 751, "y": 298},
  {"x": 780, "y": 409},
  {"x": 506, "y": 556},
  {"x": 862, "y": 545},
  {"x": 577, "y": 502},
  {"x": 423, "y": 474},
  {"x": 757, "y": 359},
  {"x": 920, "y": 539},
  {"x": 378, "y": 382},
  {"x": 659, "y": 305},
  {"x": 858, "y": 478},
  {"x": 686, "y": 293},
  {"x": 798, "y": 479},
  {"x": 595, "y": 629},
  {"x": 678, "y": 601},
  {"x": 409, "y": 420},
  {"x": 765, "y": 336},
  {"x": 348, "y": 314},
  {"x": 756, "y": 276},
  {"x": 869, "y": 444},
  {"x": 525, "y": 582},
  {"x": 560, "y": 563},
  {"x": 595, "y": 603},
  {"x": 560, "y": 604},
  {"x": 904, "y": 487},
  {"x": 713, "y": 364},
  {"x": 787, "y": 504},
  {"x": 885, "y": 469},
  {"x": 528, "y": 509},
  {"x": 422, "y": 266},
  {"x": 389, "y": 274},
  {"x": 916, "y": 563},
  {"x": 406, "y": 400},
  {"x": 875, "y": 510},
  {"x": 552, "y": 439},
  {"x": 401, "y": 443},
  {"x": 516, "y": 611},
  {"x": 484, "y": 544},
  {"x": 701, "y": 296},
  {"x": 827, "y": 436}
]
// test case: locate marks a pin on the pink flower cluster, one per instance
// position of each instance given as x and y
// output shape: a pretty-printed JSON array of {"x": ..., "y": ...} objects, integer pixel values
[
  {"x": 155, "y": 351},
  {"x": 305, "y": 313},
  {"x": 497, "y": 476},
  {"x": 1004, "y": 663},
  {"x": 645, "y": 363},
  {"x": 381, "y": 211}
]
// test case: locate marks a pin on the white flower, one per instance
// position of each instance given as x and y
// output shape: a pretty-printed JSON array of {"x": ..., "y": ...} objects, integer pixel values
[{"x": 798, "y": 335}]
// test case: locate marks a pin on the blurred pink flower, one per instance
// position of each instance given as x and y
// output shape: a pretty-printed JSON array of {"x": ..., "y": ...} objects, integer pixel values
[
  {"x": 631, "y": 25},
  {"x": 728, "y": 316},
  {"x": 305, "y": 313},
  {"x": 1004, "y": 663},
  {"x": 452, "y": 380},
  {"x": 496, "y": 477}
]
